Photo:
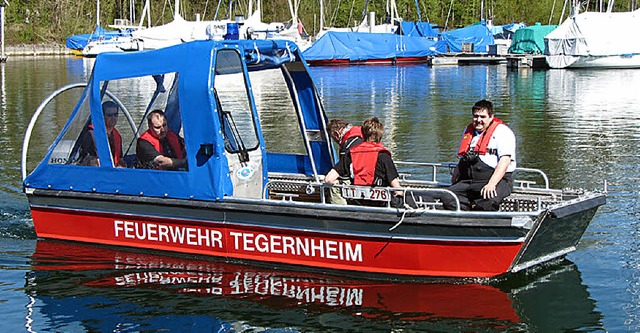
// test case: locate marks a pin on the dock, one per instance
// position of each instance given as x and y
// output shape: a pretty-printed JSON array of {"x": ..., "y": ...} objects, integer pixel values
[
  {"x": 515, "y": 61},
  {"x": 466, "y": 59}
]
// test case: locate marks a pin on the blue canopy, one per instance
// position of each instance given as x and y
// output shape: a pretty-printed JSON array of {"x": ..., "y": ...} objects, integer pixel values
[
  {"x": 207, "y": 177},
  {"x": 478, "y": 35},
  {"x": 78, "y": 42},
  {"x": 418, "y": 29},
  {"x": 357, "y": 46}
]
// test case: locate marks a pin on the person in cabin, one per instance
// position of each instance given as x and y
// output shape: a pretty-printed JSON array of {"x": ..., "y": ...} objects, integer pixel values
[
  {"x": 483, "y": 176},
  {"x": 344, "y": 134},
  {"x": 368, "y": 164},
  {"x": 88, "y": 155},
  {"x": 159, "y": 147}
]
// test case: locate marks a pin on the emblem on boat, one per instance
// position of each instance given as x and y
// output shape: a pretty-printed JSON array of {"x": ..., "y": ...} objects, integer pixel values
[{"x": 245, "y": 173}]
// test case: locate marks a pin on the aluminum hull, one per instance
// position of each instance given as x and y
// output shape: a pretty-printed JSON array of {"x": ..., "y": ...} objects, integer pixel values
[{"x": 429, "y": 243}]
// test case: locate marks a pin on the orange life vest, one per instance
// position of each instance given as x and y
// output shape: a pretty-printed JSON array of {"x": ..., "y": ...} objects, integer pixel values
[
  {"x": 483, "y": 141},
  {"x": 116, "y": 151},
  {"x": 354, "y": 131},
  {"x": 174, "y": 142},
  {"x": 363, "y": 158}
]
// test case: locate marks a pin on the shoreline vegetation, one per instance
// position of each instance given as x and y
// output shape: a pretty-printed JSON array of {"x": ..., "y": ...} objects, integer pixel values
[{"x": 40, "y": 27}]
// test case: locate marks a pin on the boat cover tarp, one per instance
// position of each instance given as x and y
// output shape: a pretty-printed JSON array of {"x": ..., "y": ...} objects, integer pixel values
[
  {"x": 177, "y": 31},
  {"x": 208, "y": 175},
  {"x": 78, "y": 42},
  {"x": 530, "y": 40},
  {"x": 418, "y": 29},
  {"x": 478, "y": 35},
  {"x": 506, "y": 31},
  {"x": 360, "y": 46},
  {"x": 594, "y": 34}
]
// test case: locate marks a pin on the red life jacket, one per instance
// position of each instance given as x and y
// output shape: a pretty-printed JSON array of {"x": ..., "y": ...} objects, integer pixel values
[
  {"x": 483, "y": 141},
  {"x": 363, "y": 158},
  {"x": 116, "y": 151},
  {"x": 174, "y": 142},
  {"x": 117, "y": 147},
  {"x": 354, "y": 131}
]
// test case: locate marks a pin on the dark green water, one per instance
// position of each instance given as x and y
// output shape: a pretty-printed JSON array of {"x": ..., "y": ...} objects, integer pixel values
[{"x": 578, "y": 126}]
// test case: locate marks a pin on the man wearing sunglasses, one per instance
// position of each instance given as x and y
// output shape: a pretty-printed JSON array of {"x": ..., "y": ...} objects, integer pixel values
[
  {"x": 159, "y": 147},
  {"x": 88, "y": 153}
]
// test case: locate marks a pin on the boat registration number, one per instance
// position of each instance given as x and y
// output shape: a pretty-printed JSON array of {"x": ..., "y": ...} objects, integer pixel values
[{"x": 368, "y": 193}]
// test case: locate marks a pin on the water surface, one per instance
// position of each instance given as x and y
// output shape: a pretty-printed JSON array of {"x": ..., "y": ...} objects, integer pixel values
[{"x": 578, "y": 126}]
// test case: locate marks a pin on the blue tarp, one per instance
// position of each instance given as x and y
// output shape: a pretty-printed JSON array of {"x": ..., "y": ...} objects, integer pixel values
[
  {"x": 478, "y": 35},
  {"x": 506, "y": 31},
  {"x": 419, "y": 29},
  {"x": 78, "y": 42},
  {"x": 207, "y": 177},
  {"x": 359, "y": 46}
]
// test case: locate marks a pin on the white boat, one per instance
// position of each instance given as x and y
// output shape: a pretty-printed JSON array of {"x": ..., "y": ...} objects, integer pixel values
[
  {"x": 120, "y": 40},
  {"x": 180, "y": 30},
  {"x": 595, "y": 40}
]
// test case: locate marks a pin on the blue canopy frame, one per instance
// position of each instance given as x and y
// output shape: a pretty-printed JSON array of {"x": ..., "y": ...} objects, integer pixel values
[{"x": 207, "y": 177}]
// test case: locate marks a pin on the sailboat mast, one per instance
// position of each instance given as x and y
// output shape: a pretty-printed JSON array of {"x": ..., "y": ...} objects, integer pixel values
[
  {"x": 322, "y": 15},
  {"x": 97, "y": 12}
]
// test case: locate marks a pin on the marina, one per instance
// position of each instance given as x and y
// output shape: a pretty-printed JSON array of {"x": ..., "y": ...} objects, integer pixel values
[{"x": 547, "y": 115}]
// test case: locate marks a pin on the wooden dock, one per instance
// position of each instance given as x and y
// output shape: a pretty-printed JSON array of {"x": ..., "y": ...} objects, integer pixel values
[
  {"x": 467, "y": 60},
  {"x": 511, "y": 60}
]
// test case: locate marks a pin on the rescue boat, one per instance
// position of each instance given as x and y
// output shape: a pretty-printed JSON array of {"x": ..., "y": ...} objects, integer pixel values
[{"x": 244, "y": 196}]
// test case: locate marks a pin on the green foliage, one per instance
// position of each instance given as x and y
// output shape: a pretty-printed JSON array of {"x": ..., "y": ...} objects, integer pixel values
[{"x": 54, "y": 20}]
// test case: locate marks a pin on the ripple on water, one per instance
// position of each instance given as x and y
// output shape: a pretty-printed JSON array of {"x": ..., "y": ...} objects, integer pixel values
[{"x": 16, "y": 224}]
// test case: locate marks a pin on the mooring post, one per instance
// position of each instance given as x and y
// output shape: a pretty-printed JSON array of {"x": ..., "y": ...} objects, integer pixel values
[{"x": 3, "y": 57}]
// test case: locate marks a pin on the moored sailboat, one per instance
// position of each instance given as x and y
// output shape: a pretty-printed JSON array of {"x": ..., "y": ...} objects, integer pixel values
[{"x": 595, "y": 40}]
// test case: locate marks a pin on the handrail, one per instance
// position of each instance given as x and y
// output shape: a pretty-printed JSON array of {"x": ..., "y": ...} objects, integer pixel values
[
  {"x": 321, "y": 186},
  {"x": 40, "y": 109},
  {"x": 435, "y": 166}
]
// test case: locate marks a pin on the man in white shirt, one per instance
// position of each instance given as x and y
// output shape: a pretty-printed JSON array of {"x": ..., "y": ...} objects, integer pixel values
[{"x": 482, "y": 178}]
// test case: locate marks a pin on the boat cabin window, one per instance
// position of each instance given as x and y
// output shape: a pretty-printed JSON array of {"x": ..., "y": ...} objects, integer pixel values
[
  {"x": 67, "y": 150},
  {"x": 278, "y": 115},
  {"x": 233, "y": 104},
  {"x": 124, "y": 106}
]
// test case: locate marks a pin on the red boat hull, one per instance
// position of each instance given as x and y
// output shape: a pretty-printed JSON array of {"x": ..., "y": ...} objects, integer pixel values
[
  {"x": 388, "y": 255},
  {"x": 388, "y": 61}
]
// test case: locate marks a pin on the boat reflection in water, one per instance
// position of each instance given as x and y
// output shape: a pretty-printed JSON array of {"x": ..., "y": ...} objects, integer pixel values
[{"x": 104, "y": 288}]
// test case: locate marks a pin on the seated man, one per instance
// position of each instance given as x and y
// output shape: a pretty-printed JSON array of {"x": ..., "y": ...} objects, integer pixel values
[
  {"x": 160, "y": 148},
  {"x": 88, "y": 154},
  {"x": 487, "y": 154},
  {"x": 368, "y": 164}
]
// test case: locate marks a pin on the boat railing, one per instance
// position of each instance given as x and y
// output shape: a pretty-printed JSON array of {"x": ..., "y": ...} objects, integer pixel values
[
  {"x": 527, "y": 195},
  {"x": 436, "y": 178},
  {"x": 290, "y": 190}
]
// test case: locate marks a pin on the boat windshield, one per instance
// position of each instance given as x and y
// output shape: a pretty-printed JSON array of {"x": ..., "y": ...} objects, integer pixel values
[{"x": 233, "y": 104}]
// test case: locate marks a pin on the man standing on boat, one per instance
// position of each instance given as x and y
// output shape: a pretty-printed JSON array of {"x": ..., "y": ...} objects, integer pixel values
[
  {"x": 367, "y": 164},
  {"x": 159, "y": 147},
  {"x": 487, "y": 154}
]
